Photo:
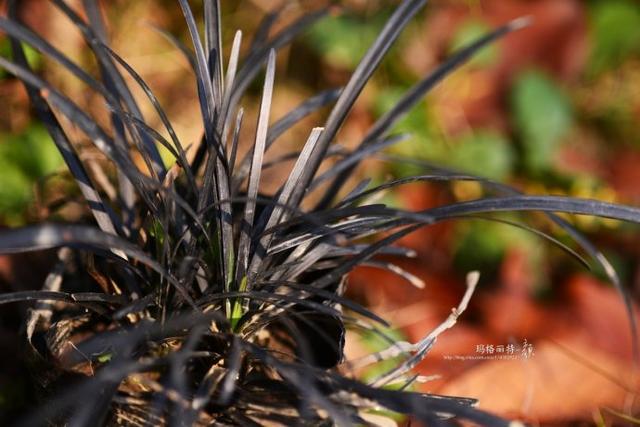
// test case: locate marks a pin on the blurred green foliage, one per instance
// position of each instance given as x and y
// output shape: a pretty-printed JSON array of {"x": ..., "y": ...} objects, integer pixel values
[
  {"x": 24, "y": 159},
  {"x": 342, "y": 40},
  {"x": 542, "y": 116},
  {"x": 481, "y": 245},
  {"x": 33, "y": 56},
  {"x": 615, "y": 29}
]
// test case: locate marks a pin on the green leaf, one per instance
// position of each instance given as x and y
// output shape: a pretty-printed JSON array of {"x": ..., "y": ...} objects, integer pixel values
[
  {"x": 15, "y": 188},
  {"x": 33, "y": 152},
  {"x": 481, "y": 245},
  {"x": 24, "y": 159},
  {"x": 486, "y": 154},
  {"x": 615, "y": 32},
  {"x": 542, "y": 115},
  {"x": 104, "y": 358},
  {"x": 342, "y": 40}
]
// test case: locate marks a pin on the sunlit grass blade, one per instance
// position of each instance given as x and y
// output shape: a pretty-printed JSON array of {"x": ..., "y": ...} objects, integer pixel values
[
  {"x": 283, "y": 195},
  {"x": 256, "y": 168}
]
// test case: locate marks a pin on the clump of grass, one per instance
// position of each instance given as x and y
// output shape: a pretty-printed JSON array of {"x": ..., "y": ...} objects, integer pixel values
[{"x": 191, "y": 298}]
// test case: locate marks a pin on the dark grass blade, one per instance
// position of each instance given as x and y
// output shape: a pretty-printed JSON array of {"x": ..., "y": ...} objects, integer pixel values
[
  {"x": 504, "y": 189},
  {"x": 261, "y": 35},
  {"x": 179, "y": 152},
  {"x": 366, "y": 254},
  {"x": 113, "y": 79},
  {"x": 334, "y": 150},
  {"x": 205, "y": 86},
  {"x": 177, "y": 382},
  {"x": 538, "y": 233},
  {"x": 213, "y": 45},
  {"x": 155, "y": 135},
  {"x": 232, "y": 68},
  {"x": 396, "y": 251},
  {"x": 283, "y": 199},
  {"x": 305, "y": 261},
  {"x": 302, "y": 381},
  {"x": 76, "y": 115},
  {"x": 505, "y": 204},
  {"x": 33, "y": 39},
  {"x": 416, "y": 93},
  {"x": 312, "y": 233},
  {"x": 40, "y": 237},
  {"x": 282, "y": 125},
  {"x": 360, "y": 77},
  {"x": 307, "y": 107},
  {"x": 234, "y": 142},
  {"x": 356, "y": 195},
  {"x": 209, "y": 105},
  {"x": 179, "y": 45},
  {"x": 327, "y": 296},
  {"x": 74, "y": 298},
  {"x": 537, "y": 203},
  {"x": 104, "y": 215},
  {"x": 564, "y": 225},
  {"x": 270, "y": 298},
  {"x": 120, "y": 367},
  {"x": 253, "y": 62},
  {"x": 356, "y": 156},
  {"x": 230, "y": 379},
  {"x": 584, "y": 207},
  {"x": 24, "y": 34},
  {"x": 420, "y": 406},
  {"x": 256, "y": 169}
]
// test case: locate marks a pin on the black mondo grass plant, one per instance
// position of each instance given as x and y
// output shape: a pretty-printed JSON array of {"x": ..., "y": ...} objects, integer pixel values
[{"x": 197, "y": 298}]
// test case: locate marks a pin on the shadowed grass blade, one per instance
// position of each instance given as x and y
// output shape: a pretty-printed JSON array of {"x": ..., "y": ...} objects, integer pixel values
[{"x": 34, "y": 238}]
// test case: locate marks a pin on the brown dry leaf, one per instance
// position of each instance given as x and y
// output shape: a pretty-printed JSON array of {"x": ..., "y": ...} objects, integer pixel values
[{"x": 561, "y": 382}]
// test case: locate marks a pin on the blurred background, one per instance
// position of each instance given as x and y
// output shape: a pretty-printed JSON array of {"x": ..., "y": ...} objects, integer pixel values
[{"x": 551, "y": 109}]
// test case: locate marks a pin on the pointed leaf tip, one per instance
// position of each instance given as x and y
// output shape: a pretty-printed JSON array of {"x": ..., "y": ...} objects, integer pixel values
[{"x": 521, "y": 22}]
